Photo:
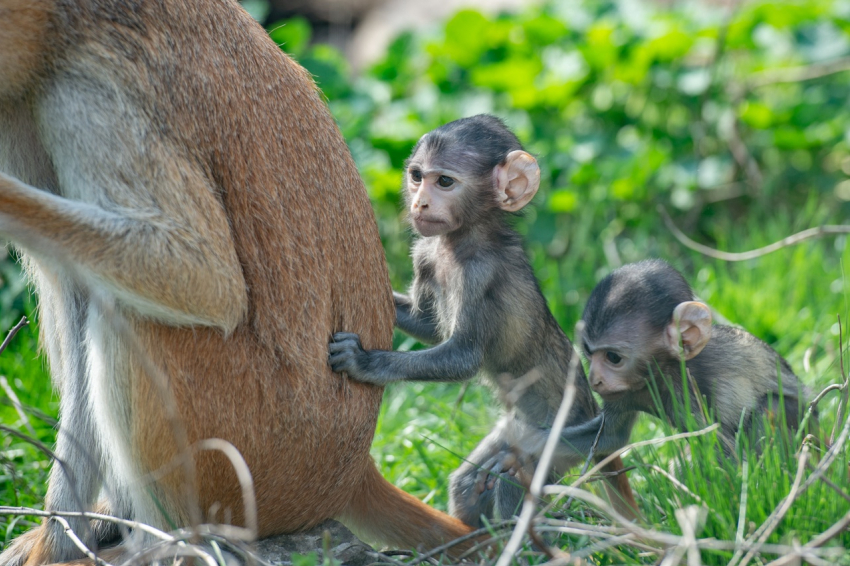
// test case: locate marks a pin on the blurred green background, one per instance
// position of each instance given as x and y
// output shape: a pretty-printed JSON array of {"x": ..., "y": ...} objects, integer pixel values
[{"x": 735, "y": 118}]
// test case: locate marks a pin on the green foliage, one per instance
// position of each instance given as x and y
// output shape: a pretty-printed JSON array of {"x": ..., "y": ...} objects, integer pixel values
[
  {"x": 628, "y": 106},
  {"x": 23, "y": 467},
  {"x": 737, "y": 125}
]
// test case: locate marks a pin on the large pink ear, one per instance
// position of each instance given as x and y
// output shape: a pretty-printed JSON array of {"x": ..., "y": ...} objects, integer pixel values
[
  {"x": 517, "y": 180},
  {"x": 692, "y": 322}
]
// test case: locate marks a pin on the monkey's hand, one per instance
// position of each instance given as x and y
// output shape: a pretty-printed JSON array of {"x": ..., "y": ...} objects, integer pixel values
[
  {"x": 505, "y": 461},
  {"x": 347, "y": 355}
]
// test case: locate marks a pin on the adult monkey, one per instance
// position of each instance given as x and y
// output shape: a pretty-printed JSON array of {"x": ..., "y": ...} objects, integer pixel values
[{"x": 165, "y": 159}]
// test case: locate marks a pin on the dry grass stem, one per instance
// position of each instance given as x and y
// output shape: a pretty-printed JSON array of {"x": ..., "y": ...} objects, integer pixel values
[
  {"x": 805, "y": 551},
  {"x": 672, "y": 479},
  {"x": 541, "y": 473},
  {"x": 772, "y": 521},
  {"x": 843, "y": 494},
  {"x": 246, "y": 482},
  {"x": 492, "y": 529},
  {"x": 809, "y": 234},
  {"x": 16, "y": 403},
  {"x": 589, "y": 455},
  {"x": 15, "y": 329},
  {"x": 822, "y": 394},
  {"x": 830, "y": 456},
  {"x": 4, "y": 510},
  {"x": 690, "y": 520},
  {"x": 670, "y": 540},
  {"x": 50, "y": 453},
  {"x": 69, "y": 532},
  {"x": 798, "y": 74},
  {"x": 599, "y": 465}
]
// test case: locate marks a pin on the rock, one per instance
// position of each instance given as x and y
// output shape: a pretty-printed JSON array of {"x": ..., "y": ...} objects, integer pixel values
[{"x": 344, "y": 546}]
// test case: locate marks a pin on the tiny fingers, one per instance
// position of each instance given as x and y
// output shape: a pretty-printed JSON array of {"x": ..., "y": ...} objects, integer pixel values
[
  {"x": 338, "y": 347},
  {"x": 337, "y": 361},
  {"x": 341, "y": 336},
  {"x": 488, "y": 473},
  {"x": 483, "y": 474}
]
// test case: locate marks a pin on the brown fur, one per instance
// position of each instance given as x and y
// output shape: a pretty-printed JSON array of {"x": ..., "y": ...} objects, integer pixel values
[
  {"x": 23, "y": 37},
  {"x": 241, "y": 212}
]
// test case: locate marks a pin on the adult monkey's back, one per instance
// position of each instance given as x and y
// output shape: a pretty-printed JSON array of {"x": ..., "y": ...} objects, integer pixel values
[{"x": 166, "y": 158}]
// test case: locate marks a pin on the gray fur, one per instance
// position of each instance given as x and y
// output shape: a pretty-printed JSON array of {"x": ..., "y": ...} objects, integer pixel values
[
  {"x": 475, "y": 295},
  {"x": 738, "y": 374}
]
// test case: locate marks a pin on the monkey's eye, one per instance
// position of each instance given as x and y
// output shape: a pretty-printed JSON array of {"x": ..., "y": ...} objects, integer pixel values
[
  {"x": 444, "y": 181},
  {"x": 416, "y": 175},
  {"x": 613, "y": 357}
]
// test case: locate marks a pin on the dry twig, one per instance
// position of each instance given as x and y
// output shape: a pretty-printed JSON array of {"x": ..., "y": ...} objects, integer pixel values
[
  {"x": 809, "y": 234},
  {"x": 798, "y": 74},
  {"x": 541, "y": 473},
  {"x": 15, "y": 329},
  {"x": 845, "y": 390},
  {"x": 69, "y": 532}
]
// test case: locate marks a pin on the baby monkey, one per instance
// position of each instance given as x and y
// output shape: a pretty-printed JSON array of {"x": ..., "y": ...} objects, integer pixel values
[
  {"x": 641, "y": 322},
  {"x": 474, "y": 294}
]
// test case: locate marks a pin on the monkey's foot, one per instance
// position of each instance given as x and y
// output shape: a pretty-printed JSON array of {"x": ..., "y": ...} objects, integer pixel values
[{"x": 503, "y": 462}]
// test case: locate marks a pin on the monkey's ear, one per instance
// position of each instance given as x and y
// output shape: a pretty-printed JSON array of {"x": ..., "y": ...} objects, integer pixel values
[
  {"x": 517, "y": 180},
  {"x": 691, "y": 321}
]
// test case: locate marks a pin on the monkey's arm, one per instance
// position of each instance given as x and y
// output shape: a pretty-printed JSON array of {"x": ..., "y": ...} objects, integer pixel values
[
  {"x": 167, "y": 258},
  {"x": 527, "y": 443},
  {"x": 613, "y": 427},
  {"x": 456, "y": 359},
  {"x": 616, "y": 430},
  {"x": 416, "y": 320}
]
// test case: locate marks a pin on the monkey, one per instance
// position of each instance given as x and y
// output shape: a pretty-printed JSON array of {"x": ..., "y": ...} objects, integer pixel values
[
  {"x": 168, "y": 163},
  {"x": 474, "y": 297},
  {"x": 642, "y": 322}
]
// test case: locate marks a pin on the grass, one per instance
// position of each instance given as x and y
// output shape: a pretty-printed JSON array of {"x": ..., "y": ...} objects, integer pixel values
[{"x": 791, "y": 299}]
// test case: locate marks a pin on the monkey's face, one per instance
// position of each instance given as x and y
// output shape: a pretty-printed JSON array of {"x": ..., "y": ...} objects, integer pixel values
[
  {"x": 435, "y": 194},
  {"x": 617, "y": 363}
]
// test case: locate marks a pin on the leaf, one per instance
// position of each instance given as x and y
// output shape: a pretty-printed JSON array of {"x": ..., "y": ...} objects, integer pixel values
[
  {"x": 512, "y": 75},
  {"x": 309, "y": 559},
  {"x": 329, "y": 68},
  {"x": 466, "y": 35},
  {"x": 623, "y": 189},
  {"x": 562, "y": 201},
  {"x": 544, "y": 29},
  {"x": 756, "y": 114}
]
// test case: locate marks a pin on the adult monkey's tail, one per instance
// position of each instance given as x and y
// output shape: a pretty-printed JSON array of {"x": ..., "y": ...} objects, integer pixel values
[{"x": 379, "y": 511}]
